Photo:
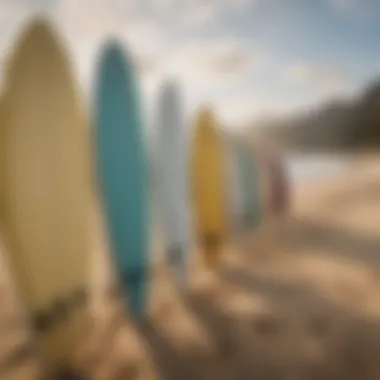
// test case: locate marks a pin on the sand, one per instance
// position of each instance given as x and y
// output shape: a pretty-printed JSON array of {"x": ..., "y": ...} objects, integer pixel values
[{"x": 297, "y": 299}]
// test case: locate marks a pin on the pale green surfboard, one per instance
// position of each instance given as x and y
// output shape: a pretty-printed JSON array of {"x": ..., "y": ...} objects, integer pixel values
[{"x": 47, "y": 192}]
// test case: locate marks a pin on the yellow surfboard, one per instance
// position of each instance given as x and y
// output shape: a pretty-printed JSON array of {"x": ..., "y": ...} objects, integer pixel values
[
  {"x": 47, "y": 192},
  {"x": 2, "y": 162},
  {"x": 208, "y": 187}
]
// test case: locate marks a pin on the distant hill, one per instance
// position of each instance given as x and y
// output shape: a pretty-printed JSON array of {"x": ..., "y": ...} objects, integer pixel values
[{"x": 339, "y": 124}]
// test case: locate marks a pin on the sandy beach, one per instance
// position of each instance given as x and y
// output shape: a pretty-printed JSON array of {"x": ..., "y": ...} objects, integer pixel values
[{"x": 298, "y": 299}]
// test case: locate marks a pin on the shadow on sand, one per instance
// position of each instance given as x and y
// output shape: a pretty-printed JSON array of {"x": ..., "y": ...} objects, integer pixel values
[{"x": 305, "y": 336}]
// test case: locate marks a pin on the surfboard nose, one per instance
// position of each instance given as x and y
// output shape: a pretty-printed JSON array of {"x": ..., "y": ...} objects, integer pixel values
[
  {"x": 38, "y": 42},
  {"x": 113, "y": 50},
  {"x": 205, "y": 114},
  {"x": 39, "y": 29},
  {"x": 115, "y": 61},
  {"x": 170, "y": 88}
]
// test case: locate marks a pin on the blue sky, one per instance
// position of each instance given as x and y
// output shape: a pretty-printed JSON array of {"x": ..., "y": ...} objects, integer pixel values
[{"x": 250, "y": 58}]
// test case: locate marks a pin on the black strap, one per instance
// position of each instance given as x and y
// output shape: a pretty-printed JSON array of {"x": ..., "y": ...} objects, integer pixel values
[{"x": 58, "y": 311}]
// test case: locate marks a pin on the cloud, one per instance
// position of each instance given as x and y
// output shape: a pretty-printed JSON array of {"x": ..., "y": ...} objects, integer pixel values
[
  {"x": 86, "y": 31},
  {"x": 85, "y": 23},
  {"x": 201, "y": 15},
  {"x": 203, "y": 68},
  {"x": 240, "y": 111},
  {"x": 11, "y": 14},
  {"x": 213, "y": 62},
  {"x": 326, "y": 76},
  {"x": 195, "y": 14},
  {"x": 236, "y": 112},
  {"x": 94, "y": 18}
]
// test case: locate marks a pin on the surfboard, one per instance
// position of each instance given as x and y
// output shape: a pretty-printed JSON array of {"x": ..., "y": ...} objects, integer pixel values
[
  {"x": 123, "y": 172},
  {"x": 249, "y": 179},
  {"x": 265, "y": 184},
  {"x": 47, "y": 189},
  {"x": 234, "y": 186},
  {"x": 172, "y": 175},
  {"x": 2, "y": 158},
  {"x": 208, "y": 187},
  {"x": 279, "y": 186}
]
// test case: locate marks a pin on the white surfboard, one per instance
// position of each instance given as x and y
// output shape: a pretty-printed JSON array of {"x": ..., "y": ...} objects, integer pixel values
[{"x": 172, "y": 178}]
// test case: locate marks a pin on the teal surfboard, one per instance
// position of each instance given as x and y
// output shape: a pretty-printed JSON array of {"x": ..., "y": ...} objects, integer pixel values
[
  {"x": 172, "y": 176},
  {"x": 123, "y": 172},
  {"x": 249, "y": 182}
]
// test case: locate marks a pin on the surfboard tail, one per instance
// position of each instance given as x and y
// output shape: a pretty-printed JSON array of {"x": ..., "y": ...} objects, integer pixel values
[
  {"x": 212, "y": 246},
  {"x": 135, "y": 287},
  {"x": 178, "y": 264}
]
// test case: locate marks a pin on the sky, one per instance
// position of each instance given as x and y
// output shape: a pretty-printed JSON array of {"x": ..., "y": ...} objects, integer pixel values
[{"x": 247, "y": 58}]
